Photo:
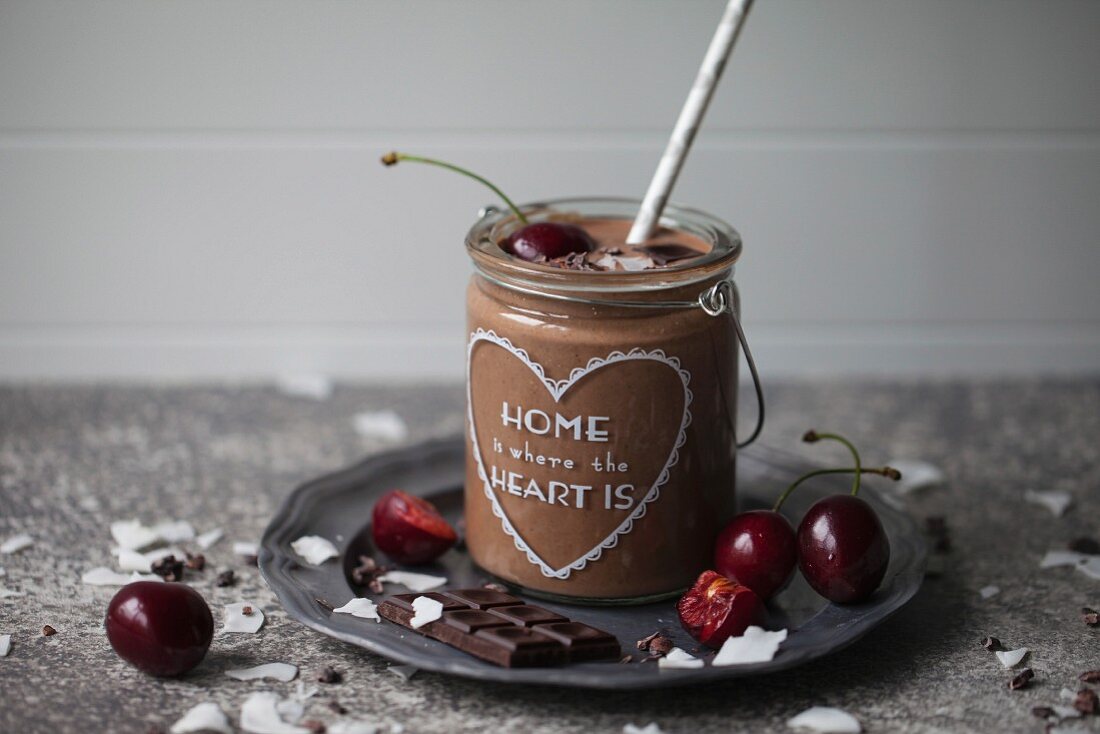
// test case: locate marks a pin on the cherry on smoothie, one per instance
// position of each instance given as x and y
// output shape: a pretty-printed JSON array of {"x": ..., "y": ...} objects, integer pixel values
[
  {"x": 161, "y": 628},
  {"x": 757, "y": 549},
  {"x": 410, "y": 529},
  {"x": 533, "y": 242},
  {"x": 715, "y": 609}
]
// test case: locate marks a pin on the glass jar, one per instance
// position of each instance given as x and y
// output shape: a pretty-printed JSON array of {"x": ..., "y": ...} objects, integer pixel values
[{"x": 601, "y": 413}]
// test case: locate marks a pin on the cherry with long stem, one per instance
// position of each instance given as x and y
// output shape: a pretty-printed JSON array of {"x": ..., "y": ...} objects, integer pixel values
[
  {"x": 887, "y": 471},
  {"x": 392, "y": 158},
  {"x": 813, "y": 436}
]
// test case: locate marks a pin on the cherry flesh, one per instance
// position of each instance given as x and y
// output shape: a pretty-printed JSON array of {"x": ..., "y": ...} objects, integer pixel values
[
  {"x": 548, "y": 240},
  {"x": 159, "y": 627},
  {"x": 842, "y": 549},
  {"x": 409, "y": 529},
  {"x": 757, "y": 549},
  {"x": 715, "y": 609}
]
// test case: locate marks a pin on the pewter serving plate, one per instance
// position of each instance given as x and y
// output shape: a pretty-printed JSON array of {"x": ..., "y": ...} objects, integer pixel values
[{"x": 338, "y": 507}]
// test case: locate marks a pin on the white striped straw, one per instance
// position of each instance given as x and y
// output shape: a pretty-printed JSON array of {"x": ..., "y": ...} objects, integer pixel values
[{"x": 729, "y": 28}]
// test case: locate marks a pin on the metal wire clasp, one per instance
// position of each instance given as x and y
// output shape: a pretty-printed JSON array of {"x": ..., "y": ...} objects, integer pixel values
[{"x": 718, "y": 299}]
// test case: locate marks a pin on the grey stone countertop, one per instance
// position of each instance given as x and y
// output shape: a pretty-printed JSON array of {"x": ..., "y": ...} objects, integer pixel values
[{"x": 74, "y": 458}]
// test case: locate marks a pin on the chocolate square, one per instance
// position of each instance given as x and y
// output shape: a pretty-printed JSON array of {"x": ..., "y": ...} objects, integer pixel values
[
  {"x": 404, "y": 601},
  {"x": 526, "y": 615},
  {"x": 482, "y": 598},
  {"x": 472, "y": 620},
  {"x": 582, "y": 641},
  {"x": 520, "y": 644}
]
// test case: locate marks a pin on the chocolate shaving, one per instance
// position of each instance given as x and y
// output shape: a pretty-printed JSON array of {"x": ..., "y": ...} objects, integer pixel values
[
  {"x": 1090, "y": 676},
  {"x": 992, "y": 644},
  {"x": 48, "y": 631},
  {"x": 664, "y": 253},
  {"x": 367, "y": 573},
  {"x": 1088, "y": 546},
  {"x": 251, "y": 560},
  {"x": 328, "y": 674},
  {"x": 573, "y": 261},
  {"x": 1022, "y": 679},
  {"x": 1090, "y": 616},
  {"x": 196, "y": 562},
  {"x": 226, "y": 578},
  {"x": 324, "y": 603},
  {"x": 643, "y": 644},
  {"x": 1087, "y": 702},
  {"x": 168, "y": 568}
]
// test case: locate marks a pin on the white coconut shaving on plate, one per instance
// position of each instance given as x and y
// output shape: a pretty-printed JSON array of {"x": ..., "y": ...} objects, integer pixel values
[
  {"x": 202, "y": 718},
  {"x": 260, "y": 715},
  {"x": 650, "y": 728},
  {"x": 825, "y": 720},
  {"x": 305, "y": 385},
  {"x": 425, "y": 611},
  {"x": 382, "y": 425},
  {"x": 988, "y": 592},
  {"x": 314, "y": 549},
  {"x": 5, "y": 645},
  {"x": 101, "y": 576},
  {"x": 417, "y": 582},
  {"x": 244, "y": 548},
  {"x": 209, "y": 538},
  {"x": 915, "y": 476},
  {"x": 757, "y": 645},
  {"x": 16, "y": 543},
  {"x": 284, "y": 672},
  {"x": 360, "y": 607},
  {"x": 1011, "y": 658},
  {"x": 235, "y": 619},
  {"x": 677, "y": 659},
  {"x": 404, "y": 672},
  {"x": 1054, "y": 500}
]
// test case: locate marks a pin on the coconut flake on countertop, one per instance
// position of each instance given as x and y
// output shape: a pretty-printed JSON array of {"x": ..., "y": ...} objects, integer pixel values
[
  {"x": 174, "y": 531},
  {"x": 132, "y": 535},
  {"x": 915, "y": 476},
  {"x": 425, "y": 611},
  {"x": 260, "y": 715},
  {"x": 384, "y": 425},
  {"x": 132, "y": 560},
  {"x": 404, "y": 672},
  {"x": 416, "y": 582},
  {"x": 235, "y": 620},
  {"x": 360, "y": 607},
  {"x": 353, "y": 726},
  {"x": 203, "y": 717},
  {"x": 650, "y": 728},
  {"x": 244, "y": 548},
  {"x": 1090, "y": 567},
  {"x": 1011, "y": 658},
  {"x": 315, "y": 549},
  {"x": 5, "y": 645},
  {"x": 826, "y": 720},
  {"x": 988, "y": 592},
  {"x": 677, "y": 659},
  {"x": 6, "y": 593},
  {"x": 305, "y": 385},
  {"x": 16, "y": 543},
  {"x": 1056, "y": 558},
  {"x": 1054, "y": 500},
  {"x": 101, "y": 576},
  {"x": 209, "y": 538},
  {"x": 284, "y": 672},
  {"x": 757, "y": 645}
]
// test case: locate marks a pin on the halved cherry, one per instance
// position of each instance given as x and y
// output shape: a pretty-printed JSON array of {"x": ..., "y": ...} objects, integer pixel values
[
  {"x": 715, "y": 609},
  {"x": 409, "y": 529}
]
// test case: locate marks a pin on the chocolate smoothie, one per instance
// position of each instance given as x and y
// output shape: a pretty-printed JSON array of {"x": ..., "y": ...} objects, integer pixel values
[{"x": 601, "y": 405}]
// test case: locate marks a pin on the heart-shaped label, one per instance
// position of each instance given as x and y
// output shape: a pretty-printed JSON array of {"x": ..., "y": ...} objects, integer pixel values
[{"x": 569, "y": 466}]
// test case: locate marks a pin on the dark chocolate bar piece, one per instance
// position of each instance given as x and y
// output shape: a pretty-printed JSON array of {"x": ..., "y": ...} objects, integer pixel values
[{"x": 501, "y": 629}]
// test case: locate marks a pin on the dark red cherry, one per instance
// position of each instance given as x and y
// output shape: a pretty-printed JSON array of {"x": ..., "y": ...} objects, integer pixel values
[
  {"x": 842, "y": 549},
  {"x": 548, "y": 240},
  {"x": 409, "y": 529},
  {"x": 160, "y": 627},
  {"x": 757, "y": 549}
]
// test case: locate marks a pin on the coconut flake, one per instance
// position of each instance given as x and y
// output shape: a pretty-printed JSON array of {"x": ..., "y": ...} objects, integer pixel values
[
  {"x": 174, "y": 531},
  {"x": 404, "y": 672},
  {"x": 353, "y": 726},
  {"x": 915, "y": 476},
  {"x": 204, "y": 717},
  {"x": 1090, "y": 567},
  {"x": 291, "y": 711},
  {"x": 988, "y": 592},
  {"x": 132, "y": 560},
  {"x": 1066, "y": 712},
  {"x": 650, "y": 728},
  {"x": 425, "y": 611},
  {"x": 10, "y": 593},
  {"x": 260, "y": 715},
  {"x": 1054, "y": 500},
  {"x": 360, "y": 607},
  {"x": 1067, "y": 694},
  {"x": 305, "y": 385},
  {"x": 16, "y": 543},
  {"x": 757, "y": 645},
  {"x": 302, "y": 694},
  {"x": 1062, "y": 558},
  {"x": 677, "y": 659},
  {"x": 284, "y": 672},
  {"x": 315, "y": 549},
  {"x": 417, "y": 582},
  {"x": 209, "y": 538},
  {"x": 245, "y": 549},
  {"x": 1011, "y": 658},
  {"x": 5, "y": 645},
  {"x": 826, "y": 720},
  {"x": 237, "y": 621},
  {"x": 384, "y": 425},
  {"x": 132, "y": 535},
  {"x": 101, "y": 576}
]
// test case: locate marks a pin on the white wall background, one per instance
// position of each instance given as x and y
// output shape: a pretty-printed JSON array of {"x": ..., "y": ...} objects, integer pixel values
[{"x": 191, "y": 188}]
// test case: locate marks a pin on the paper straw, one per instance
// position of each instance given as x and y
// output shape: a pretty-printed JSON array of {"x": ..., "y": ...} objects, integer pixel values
[{"x": 729, "y": 28}]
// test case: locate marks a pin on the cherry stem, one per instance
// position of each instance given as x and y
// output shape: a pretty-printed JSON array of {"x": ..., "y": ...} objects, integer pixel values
[
  {"x": 887, "y": 471},
  {"x": 812, "y": 436},
  {"x": 391, "y": 159}
]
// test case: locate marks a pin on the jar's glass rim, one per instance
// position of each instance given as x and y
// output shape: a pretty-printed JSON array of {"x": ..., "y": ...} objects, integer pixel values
[{"x": 481, "y": 244}]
